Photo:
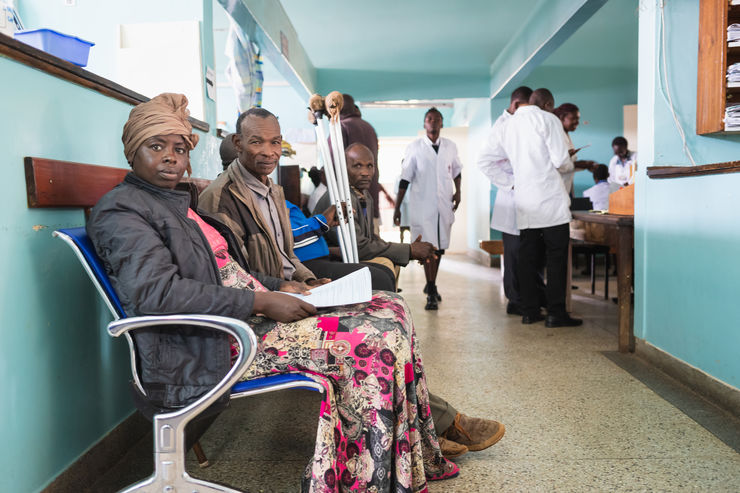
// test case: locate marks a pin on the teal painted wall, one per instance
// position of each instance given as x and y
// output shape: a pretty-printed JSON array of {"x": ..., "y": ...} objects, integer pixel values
[
  {"x": 476, "y": 189},
  {"x": 549, "y": 24},
  {"x": 687, "y": 230},
  {"x": 371, "y": 85},
  {"x": 400, "y": 122},
  {"x": 63, "y": 380}
]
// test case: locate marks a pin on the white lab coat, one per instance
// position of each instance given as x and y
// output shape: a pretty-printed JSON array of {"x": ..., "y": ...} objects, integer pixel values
[
  {"x": 318, "y": 192},
  {"x": 599, "y": 195},
  {"x": 533, "y": 141},
  {"x": 622, "y": 172},
  {"x": 430, "y": 196},
  {"x": 568, "y": 176},
  {"x": 501, "y": 174}
]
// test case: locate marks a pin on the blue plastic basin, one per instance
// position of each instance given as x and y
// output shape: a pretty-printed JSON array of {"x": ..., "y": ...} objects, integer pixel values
[{"x": 64, "y": 46}]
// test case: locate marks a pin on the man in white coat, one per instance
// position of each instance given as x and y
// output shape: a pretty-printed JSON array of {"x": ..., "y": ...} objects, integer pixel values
[
  {"x": 432, "y": 164},
  {"x": 533, "y": 141},
  {"x": 622, "y": 165},
  {"x": 503, "y": 219}
]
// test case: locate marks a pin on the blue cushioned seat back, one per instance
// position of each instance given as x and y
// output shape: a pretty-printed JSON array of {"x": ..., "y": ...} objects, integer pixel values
[
  {"x": 268, "y": 381},
  {"x": 87, "y": 250}
]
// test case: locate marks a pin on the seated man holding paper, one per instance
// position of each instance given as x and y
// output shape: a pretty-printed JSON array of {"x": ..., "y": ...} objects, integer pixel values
[{"x": 234, "y": 198}]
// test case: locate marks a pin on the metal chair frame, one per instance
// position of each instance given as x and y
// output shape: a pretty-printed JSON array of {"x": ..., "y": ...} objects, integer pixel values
[{"x": 169, "y": 428}]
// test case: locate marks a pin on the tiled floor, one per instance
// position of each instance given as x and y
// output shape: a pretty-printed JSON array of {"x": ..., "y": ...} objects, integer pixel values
[{"x": 575, "y": 420}]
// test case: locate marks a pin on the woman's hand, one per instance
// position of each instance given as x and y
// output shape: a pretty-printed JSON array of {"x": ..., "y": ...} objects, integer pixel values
[
  {"x": 318, "y": 282},
  {"x": 281, "y": 307},
  {"x": 294, "y": 287}
]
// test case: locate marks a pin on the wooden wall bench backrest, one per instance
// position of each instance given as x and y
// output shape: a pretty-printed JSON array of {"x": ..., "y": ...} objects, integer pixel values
[{"x": 52, "y": 183}]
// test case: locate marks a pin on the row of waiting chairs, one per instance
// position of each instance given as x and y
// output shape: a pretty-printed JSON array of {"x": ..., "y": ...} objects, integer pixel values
[{"x": 169, "y": 424}]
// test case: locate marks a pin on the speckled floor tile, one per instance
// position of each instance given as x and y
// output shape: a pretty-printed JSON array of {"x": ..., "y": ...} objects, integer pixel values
[
  {"x": 483, "y": 475},
  {"x": 575, "y": 421}
]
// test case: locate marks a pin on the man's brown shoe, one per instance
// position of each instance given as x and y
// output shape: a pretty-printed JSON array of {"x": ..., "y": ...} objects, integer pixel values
[
  {"x": 451, "y": 449},
  {"x": 475, "y": 433}
]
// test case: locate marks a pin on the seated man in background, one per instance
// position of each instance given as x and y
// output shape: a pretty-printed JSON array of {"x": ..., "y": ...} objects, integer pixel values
[
  {"x": 234, "y": 199},
  {"x": 599, "y": 193},
  {"x": 370, "y": 247},
  {"x": 311, "y": 248}
]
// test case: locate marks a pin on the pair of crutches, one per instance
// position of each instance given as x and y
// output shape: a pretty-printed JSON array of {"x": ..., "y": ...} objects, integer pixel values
[{"x": 335, "y": 169}]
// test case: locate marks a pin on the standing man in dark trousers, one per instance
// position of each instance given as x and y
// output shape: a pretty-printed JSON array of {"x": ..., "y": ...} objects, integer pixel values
[
  {"x": 503, "y": 219},
  {"x": 533, "y": 141}
]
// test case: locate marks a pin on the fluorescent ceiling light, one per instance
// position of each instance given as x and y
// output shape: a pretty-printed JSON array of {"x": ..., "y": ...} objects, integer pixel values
[{"x": 410, "y": 103}]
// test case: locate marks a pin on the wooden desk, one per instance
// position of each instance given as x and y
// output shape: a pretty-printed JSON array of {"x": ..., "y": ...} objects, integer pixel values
[{"x": 622, "y": 241}]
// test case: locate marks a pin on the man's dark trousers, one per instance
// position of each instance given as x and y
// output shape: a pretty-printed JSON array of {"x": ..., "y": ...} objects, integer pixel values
[
  {"x": 511, "y": 276},
  {"x": 511, "y": 271},
  {"x": 553, "y": 241}
]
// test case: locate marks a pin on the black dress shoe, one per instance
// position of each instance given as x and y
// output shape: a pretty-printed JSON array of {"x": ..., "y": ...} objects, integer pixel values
[
  {"x": 431, "y": 303},
  {"x": 562, "y": 321},
  {"x": 513, "y": 309},
  {"x": 532, "y": 319}
]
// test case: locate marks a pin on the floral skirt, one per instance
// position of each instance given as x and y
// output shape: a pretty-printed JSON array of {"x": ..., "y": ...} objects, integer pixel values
[{"x": 375, "y": 429}]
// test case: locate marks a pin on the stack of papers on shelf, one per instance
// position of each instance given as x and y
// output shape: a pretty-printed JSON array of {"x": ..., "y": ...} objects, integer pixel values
[
  {"x": 732, "y": 117},
  {"x": 733, "y": 75},
  {"x": 733, "y": 35}
]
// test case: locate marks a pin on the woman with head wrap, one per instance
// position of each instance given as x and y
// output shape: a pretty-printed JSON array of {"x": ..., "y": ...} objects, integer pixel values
[{"x": 164, "y": 257}]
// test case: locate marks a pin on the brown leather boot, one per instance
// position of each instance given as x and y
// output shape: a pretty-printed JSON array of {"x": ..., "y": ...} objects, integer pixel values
[
  {"x": 475, "y": 433},
  {"x": 451, "y": 449}
]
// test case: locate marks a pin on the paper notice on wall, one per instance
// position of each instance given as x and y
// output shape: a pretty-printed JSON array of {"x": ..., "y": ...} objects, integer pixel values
[{"x": 210, "y": 83}]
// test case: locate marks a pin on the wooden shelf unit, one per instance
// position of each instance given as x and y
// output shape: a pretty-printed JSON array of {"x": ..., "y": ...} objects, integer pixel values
[{"x": 715, "y": 56}]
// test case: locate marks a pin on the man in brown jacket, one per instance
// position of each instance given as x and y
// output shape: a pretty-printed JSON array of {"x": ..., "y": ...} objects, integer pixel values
[
  {"x": 247, "y": 201},
  {"x": 255, "y": 209}
]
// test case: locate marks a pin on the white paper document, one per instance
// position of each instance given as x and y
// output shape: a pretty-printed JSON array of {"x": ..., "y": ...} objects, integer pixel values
[{"x": 352, "y": 288}]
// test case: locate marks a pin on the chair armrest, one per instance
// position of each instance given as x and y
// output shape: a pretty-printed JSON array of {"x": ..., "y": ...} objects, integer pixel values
[{"x": 239, "y": 330}]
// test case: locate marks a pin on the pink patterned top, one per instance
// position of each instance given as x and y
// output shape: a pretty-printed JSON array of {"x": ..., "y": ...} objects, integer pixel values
[{"x": 232, "y": 274}]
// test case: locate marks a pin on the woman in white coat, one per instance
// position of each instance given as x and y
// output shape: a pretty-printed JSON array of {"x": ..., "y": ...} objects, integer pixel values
[{"x": 433, "y": 166}]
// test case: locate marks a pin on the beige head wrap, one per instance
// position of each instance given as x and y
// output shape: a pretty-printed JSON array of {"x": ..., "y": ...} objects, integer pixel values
[{"x": 166, "y": 114}]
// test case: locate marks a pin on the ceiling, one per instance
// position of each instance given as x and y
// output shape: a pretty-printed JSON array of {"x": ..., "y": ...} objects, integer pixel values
[
  {"x": 435, "y": 48},
  {"x": 407, "y": 35}
]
